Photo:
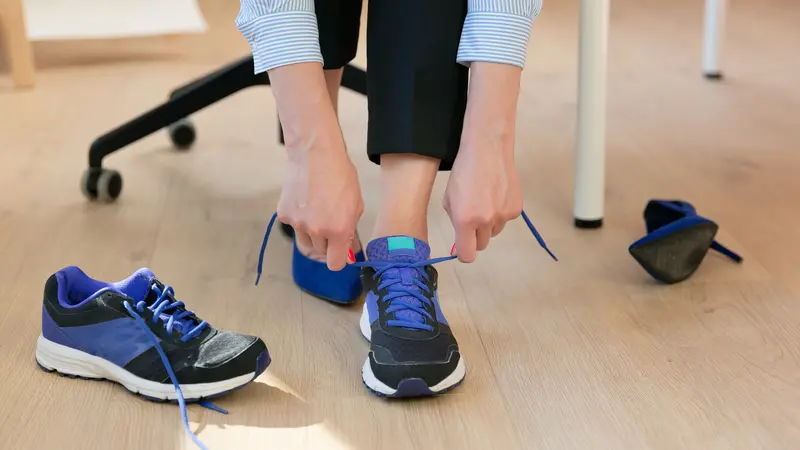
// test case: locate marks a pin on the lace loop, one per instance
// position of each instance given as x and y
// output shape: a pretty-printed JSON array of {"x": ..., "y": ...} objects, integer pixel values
[
  {"x": 401, "y": 295},
  {"x": 163, "y": 305}
]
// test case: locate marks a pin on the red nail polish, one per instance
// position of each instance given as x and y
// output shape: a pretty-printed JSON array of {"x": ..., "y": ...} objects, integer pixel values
[
  {"x": 351, "y": 255},
  {"x": 453, "y": 250}
]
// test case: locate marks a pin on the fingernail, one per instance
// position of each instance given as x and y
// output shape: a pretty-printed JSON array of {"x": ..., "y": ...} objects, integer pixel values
[
  {"x": 351, "y": 255},
  {"x": 453, "y": 250}
]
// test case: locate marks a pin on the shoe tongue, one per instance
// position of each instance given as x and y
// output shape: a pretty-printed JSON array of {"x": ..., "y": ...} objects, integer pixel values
[
  {"x": 398, "y": 249},
  {"x": 401, "y": 249}
]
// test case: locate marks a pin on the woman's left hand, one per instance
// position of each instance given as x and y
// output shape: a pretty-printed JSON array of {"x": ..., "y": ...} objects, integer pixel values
[
  {"x": 483, "y": 193},
  {"x": 484, "y": 190}
]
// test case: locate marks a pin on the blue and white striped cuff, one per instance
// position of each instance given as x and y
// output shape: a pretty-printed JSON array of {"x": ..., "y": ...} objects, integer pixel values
[
  {"x": 495, "y": 37},
  {"x": 282, "y": 38}
]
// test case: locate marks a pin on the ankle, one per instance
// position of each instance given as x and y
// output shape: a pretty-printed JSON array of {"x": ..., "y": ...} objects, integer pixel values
[
  {"x": 389, "y": 228},
  {"x": 406, "y": 184},
  {"x": 418, "y": 236}
]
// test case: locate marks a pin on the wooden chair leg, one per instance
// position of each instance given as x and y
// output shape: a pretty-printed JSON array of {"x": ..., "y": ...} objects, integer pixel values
[{"x": 18, "y": 47}]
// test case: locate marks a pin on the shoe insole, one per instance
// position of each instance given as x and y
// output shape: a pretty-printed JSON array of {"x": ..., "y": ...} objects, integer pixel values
[{"x": 660, "y": 213}]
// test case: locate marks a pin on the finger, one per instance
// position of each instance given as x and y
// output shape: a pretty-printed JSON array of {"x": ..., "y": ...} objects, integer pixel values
[
  {"x": 483, "y": 235},
  {"x": 303, "y": 240},
  {"x": 338, "y": 252},
  {"x": 513, "y": 214},
  {"x": 466, "y": 244},
  {"x": 320, "y": 245},
  {"x": 498, "y": 228}
]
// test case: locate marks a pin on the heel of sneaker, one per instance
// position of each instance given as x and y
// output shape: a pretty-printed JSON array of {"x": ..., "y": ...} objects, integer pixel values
[{"x": 54, "y": 357}]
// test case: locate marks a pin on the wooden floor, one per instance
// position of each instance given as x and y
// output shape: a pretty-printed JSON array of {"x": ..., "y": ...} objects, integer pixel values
[{"x": 583, "y": 354}]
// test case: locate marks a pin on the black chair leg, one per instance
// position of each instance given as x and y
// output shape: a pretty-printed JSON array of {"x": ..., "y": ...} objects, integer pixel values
[
  {"x": 260, "y": 79},
  {"x": 185, "y": 101}
]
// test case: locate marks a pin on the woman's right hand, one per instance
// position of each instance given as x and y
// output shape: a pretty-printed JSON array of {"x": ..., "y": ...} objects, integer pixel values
[
  {"x": 321, "y": 200},
  {"x": 321, "y": 196}
]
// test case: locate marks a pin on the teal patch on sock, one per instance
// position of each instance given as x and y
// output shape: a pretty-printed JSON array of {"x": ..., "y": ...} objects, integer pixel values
[{"x": 400, "y": 243}]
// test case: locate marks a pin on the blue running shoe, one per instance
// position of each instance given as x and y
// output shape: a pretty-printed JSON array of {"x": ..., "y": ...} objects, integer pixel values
[
  {"x": 313, "y": 277},
  {"x": 413, "y": 352},
  {"x": 135, "y": 333}
]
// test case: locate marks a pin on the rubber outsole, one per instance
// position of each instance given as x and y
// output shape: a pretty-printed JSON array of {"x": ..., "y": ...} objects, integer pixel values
[
  {"x": 412, "y": 388},
  {"x": 262, "y": 362}
]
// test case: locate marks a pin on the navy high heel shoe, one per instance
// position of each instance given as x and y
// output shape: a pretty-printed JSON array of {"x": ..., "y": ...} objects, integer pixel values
[
  {"x": 313, "y": 277},
  {"x": 677, "y": 241}
]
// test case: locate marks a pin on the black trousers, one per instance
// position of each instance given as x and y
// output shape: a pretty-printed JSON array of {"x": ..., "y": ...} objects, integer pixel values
[{"x": 417, "y": 92}]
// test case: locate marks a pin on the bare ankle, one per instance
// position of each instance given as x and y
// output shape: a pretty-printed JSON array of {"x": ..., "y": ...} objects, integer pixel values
[{"x": 406, "y": 184}]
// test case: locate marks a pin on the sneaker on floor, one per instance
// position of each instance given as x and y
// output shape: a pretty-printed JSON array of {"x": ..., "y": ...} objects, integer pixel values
[
  {"x": 413, "y": 352},
  {"x": 135, "y": 333}
]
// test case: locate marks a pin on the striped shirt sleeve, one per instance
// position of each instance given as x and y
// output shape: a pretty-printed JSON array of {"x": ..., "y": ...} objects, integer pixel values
[
  {"x": 497, "y": 31},
  {"x": 280, "y": 32}
]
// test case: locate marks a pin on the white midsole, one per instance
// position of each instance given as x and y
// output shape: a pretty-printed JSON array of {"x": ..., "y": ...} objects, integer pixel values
[
  {"x": 68, "y": 361},
  {"x": 363, "y": 323},
  {"x": 378, "y": 386}
]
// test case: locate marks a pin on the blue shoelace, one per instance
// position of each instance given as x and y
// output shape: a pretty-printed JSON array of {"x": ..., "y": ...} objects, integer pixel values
[
  {"x": 165, "y": 304},
  {"x": 413, "y": 298},
  {"x": 400, "y": 296},
  {"x": 726, "y": 251}
]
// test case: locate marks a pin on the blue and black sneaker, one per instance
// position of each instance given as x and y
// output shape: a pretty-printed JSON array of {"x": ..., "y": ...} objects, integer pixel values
[
  {"x": 413, "y": 352},
  {"x": 135, "y": 333}
]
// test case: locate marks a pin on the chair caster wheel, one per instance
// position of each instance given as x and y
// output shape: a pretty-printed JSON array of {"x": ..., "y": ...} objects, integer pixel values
[
  {"x": 103, "y": 185},
  {"x": 182, "y": 134},
  {"x": 288, "y": 231}
]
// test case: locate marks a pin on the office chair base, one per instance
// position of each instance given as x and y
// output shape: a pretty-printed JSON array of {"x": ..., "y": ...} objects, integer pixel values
[
  {"x": 102, "y": 185},
  {"x": 106, "y": 185},
  {"x": 182, "y": 134}
]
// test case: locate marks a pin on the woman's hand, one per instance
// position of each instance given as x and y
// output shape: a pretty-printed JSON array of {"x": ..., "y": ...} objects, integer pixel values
[
  {"x": 321, "y": 200},
  {"x": 321, "y": 196},
  {"x": 483, "y": 193},
  {"x": 484, "y": 190}
]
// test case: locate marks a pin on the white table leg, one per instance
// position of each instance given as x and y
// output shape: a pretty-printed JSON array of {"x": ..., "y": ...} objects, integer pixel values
[
  {"x": 714, "y": 28},
  {"x": 591, "y": 148}
]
